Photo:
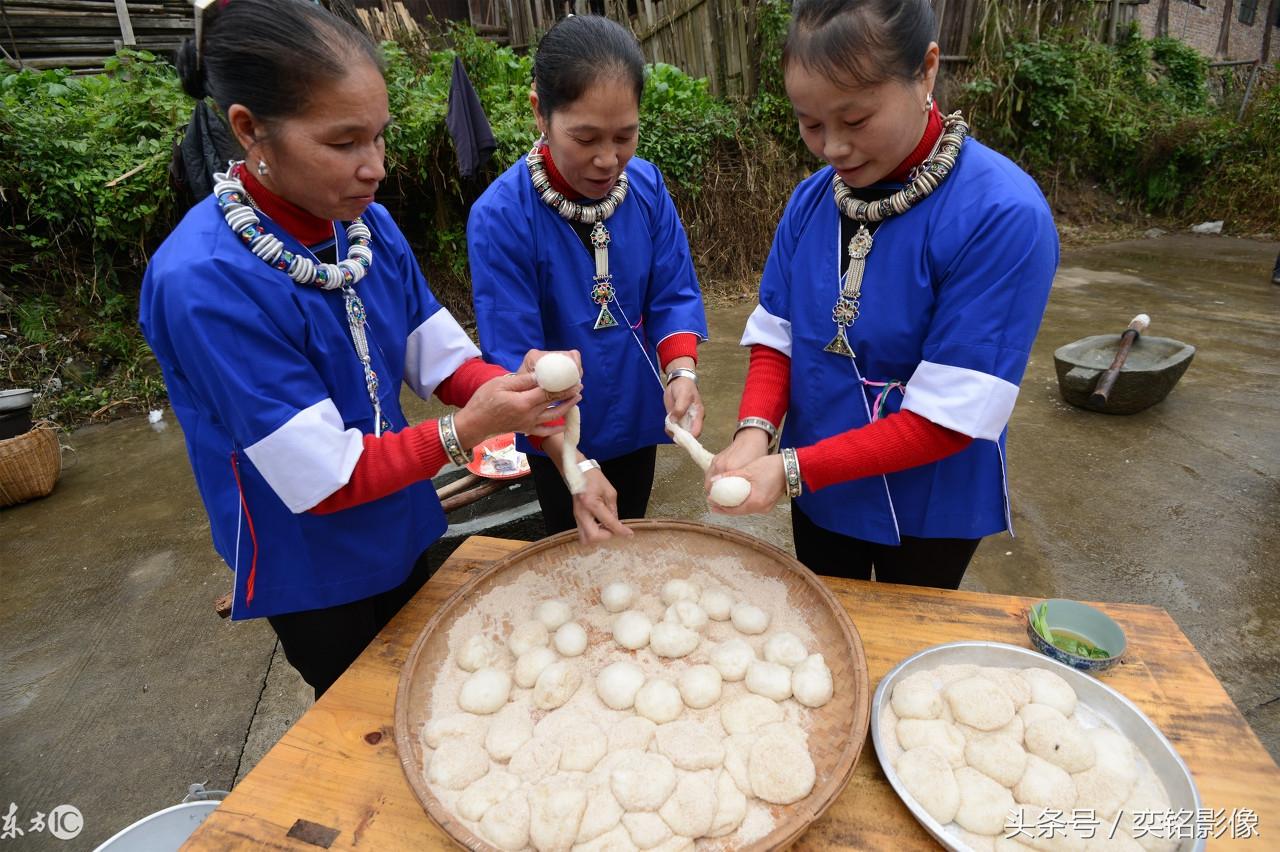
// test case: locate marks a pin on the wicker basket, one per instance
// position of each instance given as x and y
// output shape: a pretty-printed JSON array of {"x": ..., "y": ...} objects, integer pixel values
[{"x": 30, "y": 465}]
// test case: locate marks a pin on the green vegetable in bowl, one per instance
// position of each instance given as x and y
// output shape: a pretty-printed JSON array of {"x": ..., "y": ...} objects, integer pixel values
[{"x": 1069, "y": 642}]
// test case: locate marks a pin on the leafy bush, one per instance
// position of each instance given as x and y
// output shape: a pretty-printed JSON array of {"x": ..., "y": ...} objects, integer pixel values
[{"x": 681, "y": 124}]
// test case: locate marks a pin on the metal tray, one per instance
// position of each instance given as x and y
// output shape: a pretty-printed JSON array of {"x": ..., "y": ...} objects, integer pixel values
[{"x": 1104, "y": 702}]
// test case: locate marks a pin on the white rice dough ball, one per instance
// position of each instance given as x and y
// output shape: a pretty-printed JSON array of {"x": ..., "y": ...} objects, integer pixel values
[
  {"x": 984, "y": 803},
  {"x": 582, "y": 747},
  {"x": 781, "y": 770},
  {"x": 942, "y": 735},
  {"x": 952, "y": 672},
  {"x": 618, "y": 683},
  {"x": 672, "y": 640},
  {"x": 457, "y": 763},
  {"x": 1104, "y": 787},
  {"x": 1018, "y": 690},
  {"x": 811, "y": 682},
  {"x": 537, "y": 759},
  {"x": 1148, "y": 796},
  {"x": 1014, "y": 730},
  {"x": 642, "y": 781},
  {"x": 1046, "y": 785},
  {"x": 633, "y": 732},
  {"x": 454, "y": 726},
  {"x": 998, "y": 757},
  {"x": 555, "y": 812},
  {"x": 570, "y": 639},
  {"x": 700, "y": 686},
  {"x": 732, "y": 658},
  {"x": 603, "y": 815},
  {"x": 480, "y": 652},
  {"x": 556, "y": 685},
  {"x": 1049, "y": 688},
  {"x": 717, "y": 604},
  {"x": 731, "y": 806},
  {"x": 785, "y": 649},
  {"x": 915, "y": 697},
  {"x": 553, "y": 613},
  {"x": 979, "y": 703},
  {"x": 485, "y": 691},
  {"x": 659, "y": 701},
  {"x": 1032, "y": 713},
  {"x": 691, "y": 807},
  {"x": 770, "y": 680},
  {"x": 631, "y": 629},
  {"x": 506, "y": 824},
  {"x": 931, "y": 781},
  {"x": 646, "y": 830},
  {"x": 562, "y": 719},
  {"x": 749, "y": 713},
  {"x": 511, "y": 729},
  {"x": 687, "y": 613},
  {"x": 679, "y": 590},
  {"x": 730, "y": 491},
  {"x": 749, "y": 619},
  {"x": 1062, "y": 743},
  {"x": 737, "y": 758},
  {"x": 556, "y": 372},
  {"x": 526, "y": 636},
  {"x": 485, "y": 793},
  {"x": 531, "y": 663},
  {"x": 690, "y": 746},
  {"x": 617, "y": 597}
]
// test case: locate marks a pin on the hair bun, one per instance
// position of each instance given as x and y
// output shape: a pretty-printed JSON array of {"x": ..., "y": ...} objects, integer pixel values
[{"x": 189, "y": 70}]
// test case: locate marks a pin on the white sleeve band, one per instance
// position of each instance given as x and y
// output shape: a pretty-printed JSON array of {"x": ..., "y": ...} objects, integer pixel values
[
  {"x": 309, "y": 457},
  {"x": 968, "y": 401},
  {"x": 763, "y": 327},
  {"x": 435, "y": 350}
]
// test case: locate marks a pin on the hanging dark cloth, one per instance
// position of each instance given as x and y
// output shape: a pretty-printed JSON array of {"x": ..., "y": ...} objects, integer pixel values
[
  {"x": 467, "y": 123},
  {"x": 206, "y": 147}
]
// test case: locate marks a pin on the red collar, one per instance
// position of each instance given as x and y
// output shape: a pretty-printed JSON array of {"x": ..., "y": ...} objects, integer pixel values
[
  {"x": 306, "y": 228},
  {"x": 558, "y": 183},
  {"x": 932, "y": 130}
]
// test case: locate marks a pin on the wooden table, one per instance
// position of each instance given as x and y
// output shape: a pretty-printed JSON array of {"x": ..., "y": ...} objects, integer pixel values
[{"x": 334, "y": 779}]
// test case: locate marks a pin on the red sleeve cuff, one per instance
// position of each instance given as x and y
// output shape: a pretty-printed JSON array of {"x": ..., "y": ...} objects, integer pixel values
[
  {"x": 458, "y": 388},
  {"x": 683, "y": 344},
  {"x": 389, "y": 463},
  {"x": 900, "y": 441},
  {"x": 768, "y": 387}
]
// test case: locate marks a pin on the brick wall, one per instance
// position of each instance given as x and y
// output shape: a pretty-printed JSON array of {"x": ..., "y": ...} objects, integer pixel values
[{"x": 1198, "y": 26}]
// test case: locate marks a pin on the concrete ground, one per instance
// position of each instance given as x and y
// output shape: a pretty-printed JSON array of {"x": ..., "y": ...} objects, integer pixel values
[{"x": 119, "y": 686}]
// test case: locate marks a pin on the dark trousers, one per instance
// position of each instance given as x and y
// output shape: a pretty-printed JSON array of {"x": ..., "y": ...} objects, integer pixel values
[
  {"x": 322, "y": 643},
  {"x": 937, "y": 562},
  {"x": 631, "y": 476}
]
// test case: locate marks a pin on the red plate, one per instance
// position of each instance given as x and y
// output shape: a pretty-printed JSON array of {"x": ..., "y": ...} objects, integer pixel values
[{"x": 498, "y": 458}]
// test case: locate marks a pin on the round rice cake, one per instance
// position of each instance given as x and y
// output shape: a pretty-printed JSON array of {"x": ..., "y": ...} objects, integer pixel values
[
  {"x": 1014, "y": 686},
  {"x": 984, "y": 802},
  {"x": 942, "y": 735},
  {"x": 931, "y": 781},
  {"x": 979, "y": 703},
  {"x": 1062, "y": 743},
  {"x": 1046, "y": 785},
  {"x": 915, "y": 697},
  {"x": 998, "y": 757},
  {"x": 1034, "y": 712},
  {"x": 1104, "y": 787},
  {"x": 1049, "y": 688}
]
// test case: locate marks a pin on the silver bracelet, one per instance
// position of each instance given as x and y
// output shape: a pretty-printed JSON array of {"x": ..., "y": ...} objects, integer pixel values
[
  {"x": 791, "y": 467},
  {"x": 682, "y": 373},
  {"x": 452, "y": 446},
  {"x": 757, "y": 423},
  {"x": 588, "y": 465}
]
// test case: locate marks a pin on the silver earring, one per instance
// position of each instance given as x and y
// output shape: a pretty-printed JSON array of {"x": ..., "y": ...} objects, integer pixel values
[
  {"x": 928, "y": 102},
  {"x": 262, "y": 167}
]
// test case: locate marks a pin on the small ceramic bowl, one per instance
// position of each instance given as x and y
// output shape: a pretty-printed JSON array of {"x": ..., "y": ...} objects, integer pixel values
[{"x": 1087, "y": 623}]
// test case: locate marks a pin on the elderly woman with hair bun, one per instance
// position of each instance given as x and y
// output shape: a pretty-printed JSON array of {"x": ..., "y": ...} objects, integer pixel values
[
  {"x": 286, "y": 310},
  {"x": 906, "y": 283}
]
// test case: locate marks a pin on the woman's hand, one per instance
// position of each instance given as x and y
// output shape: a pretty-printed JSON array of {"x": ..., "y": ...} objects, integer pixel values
[
  {"x": 596, "y": 510},
  {"x": 531, "y": 357},
  {"x": 768, "y": 483},
  {"x": 681, "y": 398},
  {"x": 748, "y": 445},
  {"x": 512, "y": 403}
]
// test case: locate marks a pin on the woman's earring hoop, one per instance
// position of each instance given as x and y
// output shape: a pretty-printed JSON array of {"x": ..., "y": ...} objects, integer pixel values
[{"x": 262, "y": 167}]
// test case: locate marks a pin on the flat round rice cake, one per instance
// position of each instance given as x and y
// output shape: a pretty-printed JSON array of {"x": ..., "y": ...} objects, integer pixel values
[
  {"x": 997, "y": 756},
  {"x": 1045, "y": 784},
  {"x": 979, "y": 703},
  {"x": 930, "y": 780},
  {"x": 915, "y": 697},
  {"x": 1104, "y": 787},
  {"x": 952, "y": 672},
  {"x": 1049, "y": 688},
  {"x": 1148, "y": 796},
  {"x": 1033, "y": 713},
  {"x": 1062, "y": 743},
  {"x": 1014, "y": 730},
  {"x": 984, "y": 802},
  {"x": 939, "y": 733},
  {"x": 1014, "y": 686}
]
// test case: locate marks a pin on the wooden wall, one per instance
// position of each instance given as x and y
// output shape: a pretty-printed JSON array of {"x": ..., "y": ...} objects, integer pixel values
[{"x": 81, "y": 34}]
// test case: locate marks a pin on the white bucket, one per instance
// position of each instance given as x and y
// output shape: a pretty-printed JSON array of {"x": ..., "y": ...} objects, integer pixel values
[{"x": 162, "y": 831}]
